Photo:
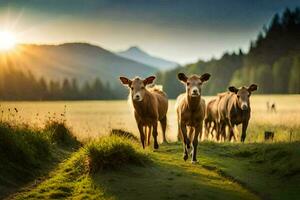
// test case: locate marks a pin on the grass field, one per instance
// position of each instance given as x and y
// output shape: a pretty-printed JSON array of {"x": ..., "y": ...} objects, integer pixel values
[{"x": 90, "y": 119}]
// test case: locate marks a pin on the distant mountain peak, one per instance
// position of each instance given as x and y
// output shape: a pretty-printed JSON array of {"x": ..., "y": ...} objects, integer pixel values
[
  {"x": 137, "y": 54},
  {"x": 136, "y": 49}
]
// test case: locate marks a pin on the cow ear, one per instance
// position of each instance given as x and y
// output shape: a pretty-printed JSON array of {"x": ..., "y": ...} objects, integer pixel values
[
  {"x": 182, "y": 77},
  {"x": 125, "y": 81},
  {"x": 233, "y": 89},
  {"x": 205, "y": 77},
  {"x": 149, "y": 80},
  {"x": 252, "y": 87}
]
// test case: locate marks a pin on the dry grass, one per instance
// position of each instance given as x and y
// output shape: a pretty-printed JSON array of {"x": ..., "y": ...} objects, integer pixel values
[{"x": 90, "y": 119}]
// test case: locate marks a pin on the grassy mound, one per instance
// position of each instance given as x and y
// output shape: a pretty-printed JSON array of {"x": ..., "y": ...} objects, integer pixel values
[
  {"x": 59, "y": 133},
  {"x": 122, "y": 133},
  {"x": 113, "y": 152},
  {"x": 23, "y": 145}
]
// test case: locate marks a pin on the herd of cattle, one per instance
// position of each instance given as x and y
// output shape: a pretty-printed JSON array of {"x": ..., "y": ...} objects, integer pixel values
[{"x": 228, "y": 109}]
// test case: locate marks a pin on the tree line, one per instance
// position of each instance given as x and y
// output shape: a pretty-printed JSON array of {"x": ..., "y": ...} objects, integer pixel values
[
  {"x": 273, "y": 62},
  {"x": 19, "y": 85}
]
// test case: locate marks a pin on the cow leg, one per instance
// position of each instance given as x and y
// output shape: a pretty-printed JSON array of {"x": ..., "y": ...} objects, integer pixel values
[
  {"x": 231, "y": 133},
  {"x": 213, "y": 129},
  {"x": 146, "y": 134},
  {"x": 207, "y": 126},
  {"x": 191, "y": 131},
  {"x": 154, "y": 134},
  {"x": 142, "y": 135},
  {"x": 149, "y": 135},
  {"x": 198, "y": 129},
  {"x": 163, "y": 123},
  {"x": 234, "y": 137},
  {"x": 179, "y": 134},
  {"x": 186, "y": 141},
  {"x": 218, "y": 125},
  {"x": 222, "y": 131},
  {"x": 244, "y": 129}
]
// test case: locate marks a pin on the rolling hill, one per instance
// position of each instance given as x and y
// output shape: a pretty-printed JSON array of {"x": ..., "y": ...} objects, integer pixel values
[
  {"x": 73, "y": 60},
  {"x": 135, "y": 53}
]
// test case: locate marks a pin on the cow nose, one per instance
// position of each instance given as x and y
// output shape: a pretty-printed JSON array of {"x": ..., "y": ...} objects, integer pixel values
[
  {"x": 195, "y": 91},
  {"x": 137, "y": 96},
  {"x": 244, "y": 107}
]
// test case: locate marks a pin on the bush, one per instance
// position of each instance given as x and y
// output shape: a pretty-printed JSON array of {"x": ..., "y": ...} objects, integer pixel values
[{"x": 113, "y": 152}]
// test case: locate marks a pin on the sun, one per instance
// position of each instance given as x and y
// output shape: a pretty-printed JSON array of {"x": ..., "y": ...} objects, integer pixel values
[{"x": 7, "y": 40}]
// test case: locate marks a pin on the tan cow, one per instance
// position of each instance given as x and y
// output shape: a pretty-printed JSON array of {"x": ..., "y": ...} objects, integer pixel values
[
  {"x": 150, "y": 106},
  {"x": 234, "y": 109},
  {"x": 190, "y": 109}
]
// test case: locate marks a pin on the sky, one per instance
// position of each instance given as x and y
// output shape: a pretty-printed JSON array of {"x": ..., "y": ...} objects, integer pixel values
[{"x": 183, "y": 31}]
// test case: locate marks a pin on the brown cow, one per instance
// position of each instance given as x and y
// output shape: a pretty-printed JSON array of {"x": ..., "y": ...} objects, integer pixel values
[
  {"x": 150, "y": 106},
  {"x": 190, "y": 109},
  {"x": 234, "y": 109}
]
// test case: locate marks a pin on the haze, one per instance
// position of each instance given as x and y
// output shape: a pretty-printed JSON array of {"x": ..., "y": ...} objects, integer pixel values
[{"x": 182, "y": 31}]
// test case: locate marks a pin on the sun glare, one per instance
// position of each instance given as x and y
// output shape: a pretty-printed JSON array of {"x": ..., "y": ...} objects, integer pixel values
[{"x": 7, "y": 40}]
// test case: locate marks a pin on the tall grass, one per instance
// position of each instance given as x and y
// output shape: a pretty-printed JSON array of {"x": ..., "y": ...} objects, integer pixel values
[
  {"x": 28, "y": 151},
  {"x": 23, "y": 145},
  {"x": 113, "y": 152}
]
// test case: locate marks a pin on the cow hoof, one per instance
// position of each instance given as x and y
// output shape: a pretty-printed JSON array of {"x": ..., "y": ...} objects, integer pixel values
[
  {"x": 155, "y": 146},
  {"x": 194, "y": 162},
  {"x": 185, "y": 157}
]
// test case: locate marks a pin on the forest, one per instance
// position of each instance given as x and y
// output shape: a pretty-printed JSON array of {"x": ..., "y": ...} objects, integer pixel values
[
  {"x": 18, "y": 85},
  {"x": 273, "y": 62}
]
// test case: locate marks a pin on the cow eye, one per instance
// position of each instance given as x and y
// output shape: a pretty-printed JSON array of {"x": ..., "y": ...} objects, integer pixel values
[
  {"x": 187, "y": 83},
  {"x": 131, "y": 88},
  {"x": 238, "y": 96},
  {"x": 142, "y": 87}
]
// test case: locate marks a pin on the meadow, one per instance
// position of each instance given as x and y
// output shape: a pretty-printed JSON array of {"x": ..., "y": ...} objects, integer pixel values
[
  {"x": 89, "y": 119},
  {"x": 37, "y": 143}
]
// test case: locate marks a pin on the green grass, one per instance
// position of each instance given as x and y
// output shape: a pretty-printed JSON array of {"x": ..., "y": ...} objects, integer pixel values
[
  {"x": 166, "y": 177},
  {"x": 27, "y": 153},
  {"x": 271, "y": 170},
  {"x": 116, "y": 167}
]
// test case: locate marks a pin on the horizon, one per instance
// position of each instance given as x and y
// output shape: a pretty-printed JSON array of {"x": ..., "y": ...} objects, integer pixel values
[{"x": 181, "y": 32}]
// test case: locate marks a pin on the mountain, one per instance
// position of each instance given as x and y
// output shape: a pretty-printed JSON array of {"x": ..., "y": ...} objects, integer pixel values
[
  {"x": 82, "y": 61},
  {"x": 135, "y": 53}
]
